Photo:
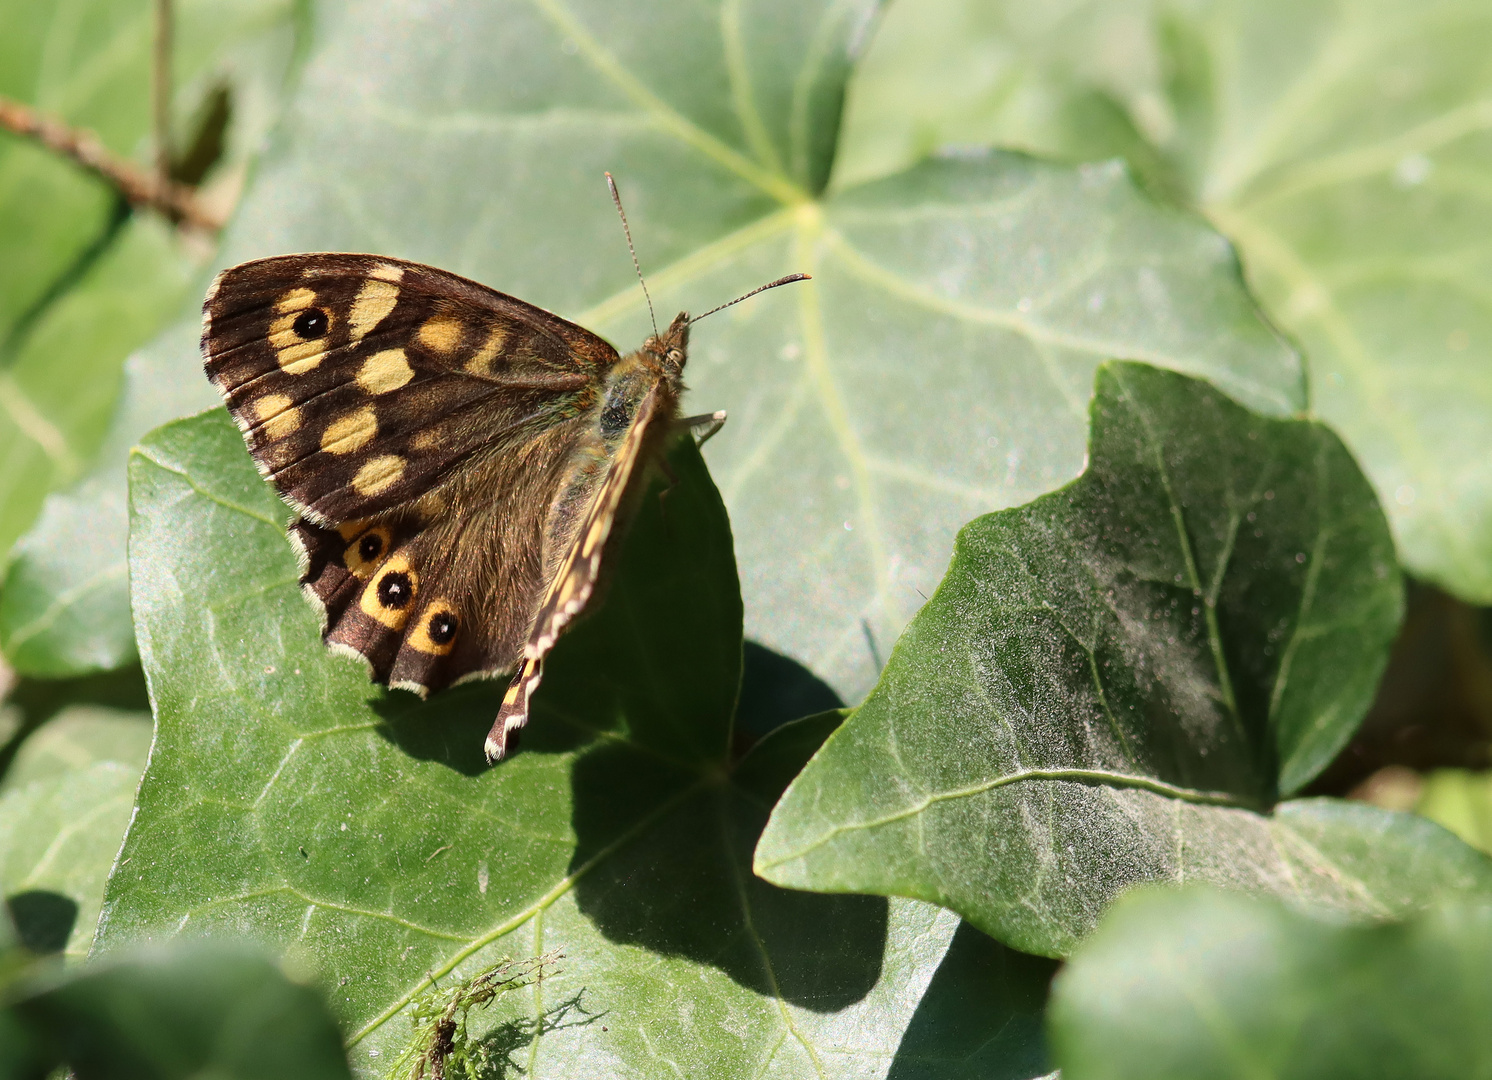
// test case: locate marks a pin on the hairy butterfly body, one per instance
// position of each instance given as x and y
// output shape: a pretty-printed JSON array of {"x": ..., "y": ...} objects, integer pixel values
[{"x": 458, "y": 458}]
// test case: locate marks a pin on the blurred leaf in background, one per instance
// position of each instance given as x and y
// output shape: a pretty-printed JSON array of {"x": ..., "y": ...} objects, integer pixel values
[
  {"x": 171, "y": 1013},
  {"x": 1201, "y": 983},
  {"x": 83, "y": 278},
  {"x": 1342, "y": 146},
  {"x": 72, "y": 763},
  {"x": 938, "y": 366},
  {"x": 1462, "y": 802}
]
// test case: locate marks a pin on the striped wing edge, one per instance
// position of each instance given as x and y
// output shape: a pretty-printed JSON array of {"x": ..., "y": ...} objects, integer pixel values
[{"x": 572, "y": 586}]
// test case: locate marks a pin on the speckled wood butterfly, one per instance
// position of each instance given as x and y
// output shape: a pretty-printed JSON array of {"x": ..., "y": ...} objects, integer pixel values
[{"x": 458, "y": 459}]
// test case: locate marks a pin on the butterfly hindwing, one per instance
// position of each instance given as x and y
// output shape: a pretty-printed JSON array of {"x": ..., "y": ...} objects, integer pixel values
[{"x": 429, "y": 597}]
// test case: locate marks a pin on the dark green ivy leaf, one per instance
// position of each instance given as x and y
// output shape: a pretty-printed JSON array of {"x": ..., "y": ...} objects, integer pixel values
[
  {"x": 360, "y": 830},
  {"x": 1115, "y": 683}
]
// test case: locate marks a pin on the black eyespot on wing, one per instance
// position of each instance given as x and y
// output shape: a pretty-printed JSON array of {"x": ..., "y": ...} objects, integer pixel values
[
  {"x": 370, "y": 546},
  {"x": 442, "y": 627},
  {"x": 311, "y": 324},
  {"x": 395, "y": 590}
]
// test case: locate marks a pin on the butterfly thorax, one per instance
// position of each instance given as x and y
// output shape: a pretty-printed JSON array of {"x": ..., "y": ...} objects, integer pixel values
[{"x": 654, "y": 373}]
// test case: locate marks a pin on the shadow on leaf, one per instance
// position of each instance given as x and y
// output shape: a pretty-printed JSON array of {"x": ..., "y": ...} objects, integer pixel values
[
  {"x": 450, "y": 727},
  {"x": 949, "y": 1035},
  {"x": 775, "y": 690},
  {"x": 43, "y": 920},
  {"x": 678, "y": 879},
  {"x": 495, "y": 1051}
]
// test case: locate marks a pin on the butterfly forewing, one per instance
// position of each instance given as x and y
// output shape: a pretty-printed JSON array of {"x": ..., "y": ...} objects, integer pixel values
[{"x": 361, "y": 382}]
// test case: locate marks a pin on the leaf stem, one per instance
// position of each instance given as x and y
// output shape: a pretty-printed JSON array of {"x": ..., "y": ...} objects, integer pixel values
[
  {"x": 160, "y": 91},
  {"x": 135, "y": 185}
]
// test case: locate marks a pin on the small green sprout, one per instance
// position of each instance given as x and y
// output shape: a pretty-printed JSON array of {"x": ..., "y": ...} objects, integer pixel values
[{"x": 441, "y": 1047}]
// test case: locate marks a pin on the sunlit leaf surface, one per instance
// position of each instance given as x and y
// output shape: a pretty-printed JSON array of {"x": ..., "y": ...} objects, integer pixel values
[
  {"x": 937, "y": 366},
  {"x": 1342, "y": 146}
]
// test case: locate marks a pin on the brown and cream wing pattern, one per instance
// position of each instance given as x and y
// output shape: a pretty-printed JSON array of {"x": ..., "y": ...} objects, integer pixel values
[
  {"x": 361, "y": 382},
  {"x": 423, "y": 425}
]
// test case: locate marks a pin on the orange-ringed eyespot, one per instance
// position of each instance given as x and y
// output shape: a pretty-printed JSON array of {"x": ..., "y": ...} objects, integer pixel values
[
  {"x": 395, "y": 590},
  {"x": 370, "y": 547},
  {"x": 441, "y": 627}
]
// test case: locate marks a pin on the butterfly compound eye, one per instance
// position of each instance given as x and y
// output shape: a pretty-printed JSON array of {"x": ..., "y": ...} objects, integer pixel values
[
  {"x": 310, "y": 324},
  {"x": 395, "y": 590}
]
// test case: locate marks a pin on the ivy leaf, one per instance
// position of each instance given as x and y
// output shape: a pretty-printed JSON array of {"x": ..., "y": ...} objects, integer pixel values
[
  {"x": 1207, "y": 983},
  {"x": 65, "y": 802},
  {"x": 937, "y": 365},
  {"x": 360, "y": 831},
  {"x": 1331, "y": 142},
  {"x": 1461, "y": 801},
  {"x": 1116, "y": 682}
]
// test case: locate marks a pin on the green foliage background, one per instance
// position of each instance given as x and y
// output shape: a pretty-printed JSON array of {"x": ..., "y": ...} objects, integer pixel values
[{"x": 995, "y": 200}]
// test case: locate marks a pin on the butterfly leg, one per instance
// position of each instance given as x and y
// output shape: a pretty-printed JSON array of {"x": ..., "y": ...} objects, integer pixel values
[{"x": 709, "y": 423}]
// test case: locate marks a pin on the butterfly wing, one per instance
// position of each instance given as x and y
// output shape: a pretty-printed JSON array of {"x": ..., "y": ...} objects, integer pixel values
[
  {"x": 584, "y": 516},
  {"x": 423, "y": 425},
  {"x": 360, "y": 382}
]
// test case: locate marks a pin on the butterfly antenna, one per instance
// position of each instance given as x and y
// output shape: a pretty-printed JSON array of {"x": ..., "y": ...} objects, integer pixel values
[
  {"x": 627, "y": 231},
  {"x": 760, "y": 288}
]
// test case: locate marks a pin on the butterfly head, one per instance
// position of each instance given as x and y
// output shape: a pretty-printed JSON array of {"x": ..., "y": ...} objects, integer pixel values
[{"x": 670, "y": 349}]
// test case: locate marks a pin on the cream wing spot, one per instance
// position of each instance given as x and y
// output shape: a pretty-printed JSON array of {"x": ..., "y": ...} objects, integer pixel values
[
  {"x": 385, "y": 371},
  {"x": 277, "y": 415},
  {"x": 295, "y": 301},
  {"x": 374, "y": 301},
  {"x": 425, "y": 440},
  {"x": 378, "y": 474},
  {"x": 297, "y": 334},
  {"x": 481, "y": 360},
  {"x": 351, "y": 432},
  {"x": 387, "y": 272},
  {"x": 441, "y": 334}
]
